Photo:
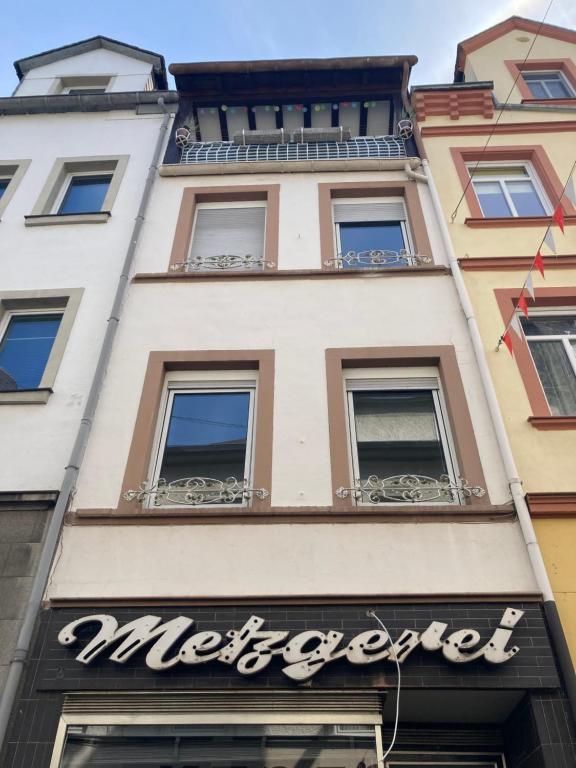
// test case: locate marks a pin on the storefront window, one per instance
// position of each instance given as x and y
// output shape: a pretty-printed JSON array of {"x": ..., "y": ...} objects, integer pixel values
[{"x": 220, "y": 746}]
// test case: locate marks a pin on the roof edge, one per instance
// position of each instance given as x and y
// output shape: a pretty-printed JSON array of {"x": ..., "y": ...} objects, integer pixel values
[
  {"x": 22, "y": 66},
  {"x": 282, "y": 65},
  {"x": 471, "y": 44}
]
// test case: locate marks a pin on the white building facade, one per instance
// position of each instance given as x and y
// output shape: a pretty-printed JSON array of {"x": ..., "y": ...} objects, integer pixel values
[
  {"x": 76, "y": 142},
  {"x": 292, "y": 485}
]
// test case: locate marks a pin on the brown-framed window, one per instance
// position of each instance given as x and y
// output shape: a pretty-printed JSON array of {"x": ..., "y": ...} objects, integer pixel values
[
  {"x": 511, "y": 186},
  {"x": 227, "y": 229},
  {"x": 204, "y": 417},
  {"x": 544, "y": 80},
  {"x": 362, "y": 225},
  {"x": 545, "y": 354},
  {"x": 440, "y": 440}
]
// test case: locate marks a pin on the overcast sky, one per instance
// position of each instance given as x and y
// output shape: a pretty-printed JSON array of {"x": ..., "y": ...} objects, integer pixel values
[{"x": 210, "y": 30}]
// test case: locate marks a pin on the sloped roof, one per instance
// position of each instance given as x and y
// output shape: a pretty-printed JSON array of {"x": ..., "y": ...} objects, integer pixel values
[
  {"x": 498, "y": 30},
  {"x": 22, "y": 66}
]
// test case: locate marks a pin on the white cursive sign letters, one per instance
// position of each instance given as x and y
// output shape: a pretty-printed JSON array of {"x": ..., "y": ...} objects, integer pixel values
[{"x": 252, "y": 648}]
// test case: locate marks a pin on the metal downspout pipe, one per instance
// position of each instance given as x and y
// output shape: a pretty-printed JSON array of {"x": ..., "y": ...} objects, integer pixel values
[
  {"x": 514, "y": 482},
  {"x": 52, "y": 538}
]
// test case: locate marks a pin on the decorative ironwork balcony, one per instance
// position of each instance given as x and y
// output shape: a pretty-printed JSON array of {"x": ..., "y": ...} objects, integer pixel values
[
  {"x": 225, "y": 262},
  {"x": 409, "y": 488},
  {"x": 195, "y": 492},
  {"x": 377, "y": 258},
  {"x": 380, "y": 147}
]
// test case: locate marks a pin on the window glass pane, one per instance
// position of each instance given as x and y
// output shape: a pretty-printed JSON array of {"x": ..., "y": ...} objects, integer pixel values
[
  {"x": 397, "y": 434},
  {"x": 371, "y": 236},
  {"x": 207, "y": 436},
  {"x": 85, "y": 194},
  {"x": 215, "y": 746},
  {"x": 557, "y": 89},
  {"x": 491, "y": 199},
  {"x": 553, "y": 325},
  {"x": 536, "y": 89},
  {"x": 25, "y": 350},
  {"x": 3, "y": 185},
  {"x": 525, "y": 198},
  {"x": 556, "y": 375}
]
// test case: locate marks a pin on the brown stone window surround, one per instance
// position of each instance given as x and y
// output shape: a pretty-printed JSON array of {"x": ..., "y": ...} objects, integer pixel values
[
  {"x": 444, "y": 359},
  {"x": 536, "y": 155},
  {"x": 140, "y": 453},
  {"x": 327, "y": 193},
  {"x": 542, "y": 417},
  {"x": 191, "y": 196},
  {"x": 566, "y": 66}
]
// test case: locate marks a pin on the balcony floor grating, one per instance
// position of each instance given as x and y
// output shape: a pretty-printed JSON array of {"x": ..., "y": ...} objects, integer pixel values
[{"x": 383, "y": 147}]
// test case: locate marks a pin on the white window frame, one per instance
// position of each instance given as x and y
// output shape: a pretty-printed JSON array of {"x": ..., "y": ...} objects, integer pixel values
[
  {"x": 65, "y": 83},
  {"x": 393, "y": 381},
  {"x": 531, "y": 176},
  {"x": 11, "y": 313},
  {"x": 225, "y": 206},
  {"x": 187, "y": 385},
  {"x": 544, "y": 75},
  {"x": 68, "y": 181},
  {"x": 564, "y": 338},
  {"x": 406, "y": 234}
]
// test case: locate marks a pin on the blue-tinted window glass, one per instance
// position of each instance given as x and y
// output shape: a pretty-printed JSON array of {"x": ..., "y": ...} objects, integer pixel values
[
  {"x": 207, "y": 436},
  {"x": 3, "y": 185},
  {"x": 525, "y": 198},
  {"x": 491, "y": 199},
  {"x": 371, "y": 236},
  {"x": 85, "y": 194},
  {"x": 25, "y": 350}
]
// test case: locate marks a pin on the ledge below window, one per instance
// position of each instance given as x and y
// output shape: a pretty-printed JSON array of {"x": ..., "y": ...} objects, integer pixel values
[
  {"x": 43, "y": 219},
  {"x": 282, "y": 274},
  {"x": 420, "y": 513},
  {"x": 553, "y": 422},
  {"x": 26, "y": 396},
  {"x": 514, "y": 221}
]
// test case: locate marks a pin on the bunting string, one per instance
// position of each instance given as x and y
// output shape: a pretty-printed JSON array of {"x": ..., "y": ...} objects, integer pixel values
[{"x": 521, "y": 304}]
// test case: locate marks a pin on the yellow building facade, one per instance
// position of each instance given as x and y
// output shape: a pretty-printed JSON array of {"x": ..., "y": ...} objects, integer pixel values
[{"x": 501, "y": 144}]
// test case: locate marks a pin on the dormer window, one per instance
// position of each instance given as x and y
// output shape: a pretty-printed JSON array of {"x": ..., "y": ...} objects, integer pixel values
[{"x": 83, "y": 85}]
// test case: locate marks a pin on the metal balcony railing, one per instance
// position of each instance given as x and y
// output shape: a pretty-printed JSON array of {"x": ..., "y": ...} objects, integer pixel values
[
  {"x": 380, "y": 147},
  {"x": 195, "y": 491}
]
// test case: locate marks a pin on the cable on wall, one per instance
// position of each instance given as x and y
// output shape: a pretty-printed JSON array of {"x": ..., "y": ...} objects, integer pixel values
[{"x": 373, "y": 615}]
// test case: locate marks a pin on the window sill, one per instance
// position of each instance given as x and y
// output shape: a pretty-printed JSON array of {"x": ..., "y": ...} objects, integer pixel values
[
  {"x": 283, "y": 274},
  {"x": 291, "y": 515},
  {"x": 514, "y": 221},
  {"x": 43, "y": 219},
  {"x": 26, "y": 396},
  {"x": 548, "y": 423}
]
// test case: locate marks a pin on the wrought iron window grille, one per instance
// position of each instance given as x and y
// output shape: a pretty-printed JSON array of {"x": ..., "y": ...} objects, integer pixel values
[
  {"x": 378, "y": 147},
  {"x": 195, "y": 491},
  {"x": 378, "y": 258},
  {"x": 409, "y": 488},
  {"x": 223, "y": 262}
]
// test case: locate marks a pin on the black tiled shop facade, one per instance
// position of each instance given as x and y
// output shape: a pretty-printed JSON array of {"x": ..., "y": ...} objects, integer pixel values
[{"x": 537, "y": 731}]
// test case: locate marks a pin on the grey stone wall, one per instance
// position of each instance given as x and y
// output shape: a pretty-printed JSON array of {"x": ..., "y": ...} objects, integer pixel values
[{"x": 22, "y": 528}]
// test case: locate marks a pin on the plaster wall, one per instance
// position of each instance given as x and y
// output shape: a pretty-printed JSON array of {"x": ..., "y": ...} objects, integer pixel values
[
  {"x": 128, "y": 74},
  {"x": 299, "y": 230},
  {"x": 557, "y": 539},
  {"x": 502, "y": 240},
  {"x": 298, "y": 319},
  {"x": 545, "y": 459},
  {"x": 487, "y": 63},
  {"x": 60, "y": 257},
  {"x": 289, "y": 560}
]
